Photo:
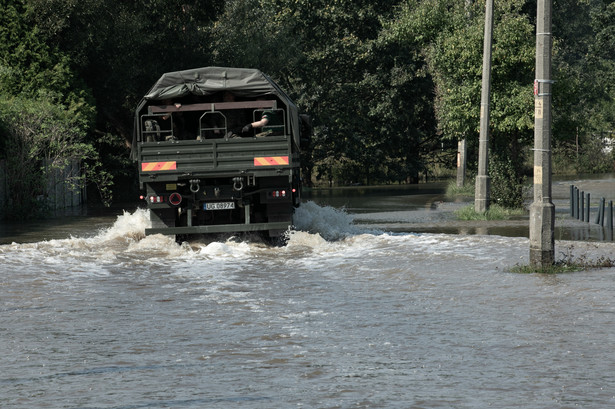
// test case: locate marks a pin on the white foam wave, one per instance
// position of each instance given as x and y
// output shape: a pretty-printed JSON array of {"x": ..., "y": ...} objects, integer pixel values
[
  {"x": 158, "y": 245},
  {"x": 321, "y": 232},
  {"x": 314, "y": 224},
  {"x": 230, "y": 248},
  {"x": 303, "y": 239}
]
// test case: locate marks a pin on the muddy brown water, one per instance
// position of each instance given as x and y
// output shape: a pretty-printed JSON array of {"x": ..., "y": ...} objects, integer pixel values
[{"x": 346, "y": 315}]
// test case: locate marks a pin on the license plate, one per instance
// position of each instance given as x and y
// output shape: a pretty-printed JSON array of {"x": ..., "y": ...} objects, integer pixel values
[{"x": 219, "y": 206}]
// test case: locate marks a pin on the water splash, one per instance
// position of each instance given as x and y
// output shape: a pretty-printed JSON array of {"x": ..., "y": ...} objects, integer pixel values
[
  {"x": 316, "y": 228},
  {"x": 328, "y": 222},
  {"x": 127, "y": 226}
]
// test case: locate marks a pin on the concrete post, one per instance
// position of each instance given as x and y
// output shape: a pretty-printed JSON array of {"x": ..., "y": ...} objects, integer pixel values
[
  {"x": 542, "y": 210},
  {"x": 462, "y": 151},
  {"x": 482, "y": 192}
]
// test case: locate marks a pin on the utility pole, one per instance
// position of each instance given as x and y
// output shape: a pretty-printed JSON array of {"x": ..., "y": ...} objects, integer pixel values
[
  {"x": 462, "y": 149},
  {"x": 462, "y": 152},
  {"x": 542, "y": 210},
  {"x": 481, "y": 195}
]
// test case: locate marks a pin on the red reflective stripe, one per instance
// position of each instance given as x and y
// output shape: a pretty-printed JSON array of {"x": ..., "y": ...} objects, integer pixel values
[
  {"x": 156, "y": 166},
  {"x": 271, "y": 161}
]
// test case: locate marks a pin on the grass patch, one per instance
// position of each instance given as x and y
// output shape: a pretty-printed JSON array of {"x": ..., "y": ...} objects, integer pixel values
[
  {"x": 567, "y": 264},
  {"x": 495, "y": 212},
  {"x": 452, "y": 190},
  {"x": 556, "y": 268}
]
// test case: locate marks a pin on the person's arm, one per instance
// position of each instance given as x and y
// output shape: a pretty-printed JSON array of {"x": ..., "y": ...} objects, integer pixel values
[{"x": 258, "y": 124}]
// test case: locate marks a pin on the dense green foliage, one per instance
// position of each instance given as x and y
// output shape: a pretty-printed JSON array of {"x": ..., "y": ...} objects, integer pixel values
[
  {"x": 391, "y": 84},
  {"x": 450, "y": 35},
  {"x": 41, "y": 138},
  {"x": 46, "y": 111}
]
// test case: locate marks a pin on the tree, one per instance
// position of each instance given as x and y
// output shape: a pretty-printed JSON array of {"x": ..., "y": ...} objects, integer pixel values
[
  {"x": 451, "y": 44},
  {"x": 367, "y": 94},
  {"x": 47, "y": 110},
  {"x": 119, "y": 49},
  {"x": 583, "y": 94},
  {"x": 30, "y": 66}
]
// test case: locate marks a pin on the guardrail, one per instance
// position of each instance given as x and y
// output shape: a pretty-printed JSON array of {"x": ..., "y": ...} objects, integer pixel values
[{"x": 580, "y": 209}]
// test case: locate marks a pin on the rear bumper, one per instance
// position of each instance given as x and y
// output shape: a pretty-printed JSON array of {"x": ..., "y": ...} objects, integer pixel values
[{"x": 220, "y": 228}]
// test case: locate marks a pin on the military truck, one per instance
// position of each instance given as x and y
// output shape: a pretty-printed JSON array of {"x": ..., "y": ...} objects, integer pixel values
[{"x": 218, "y": 151}]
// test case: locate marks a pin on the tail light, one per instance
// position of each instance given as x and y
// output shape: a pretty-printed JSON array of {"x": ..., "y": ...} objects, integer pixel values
[
  {"x": 156, "y": 199},
  {"x": 278, "y": 193}
]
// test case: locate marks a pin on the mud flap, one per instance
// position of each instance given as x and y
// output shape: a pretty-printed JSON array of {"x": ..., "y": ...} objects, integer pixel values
[
  {"x": 162, "y": 218},
  {"x": 281, "y": 212}
]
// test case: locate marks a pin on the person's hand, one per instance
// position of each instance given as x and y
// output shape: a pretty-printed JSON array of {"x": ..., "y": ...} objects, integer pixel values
[{"x": 246, "y": 128}]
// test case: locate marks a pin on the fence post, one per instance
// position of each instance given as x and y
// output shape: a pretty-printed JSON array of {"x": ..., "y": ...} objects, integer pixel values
[
  {"x": 576, "y": 202},
  {"x": 588, "y": 207},
  {"x": 600, "y": 215},
  {"x": 609, "y": 217},
  {"x": 582, "y": 206},
  {"x": 571, "y": 200}
]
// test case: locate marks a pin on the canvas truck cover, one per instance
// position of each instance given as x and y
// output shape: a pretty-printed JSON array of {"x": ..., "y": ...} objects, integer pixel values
[{"x": 245, "y": 82}]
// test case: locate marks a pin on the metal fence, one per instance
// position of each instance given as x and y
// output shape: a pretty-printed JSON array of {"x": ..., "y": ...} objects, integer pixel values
[
  {"x": 581, "y": 209},
  {"x": 60, "y": 192}
]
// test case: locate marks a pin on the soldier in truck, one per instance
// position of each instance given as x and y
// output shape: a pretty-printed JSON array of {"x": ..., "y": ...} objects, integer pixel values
[
  {"x": 270, "y": 123},
  {"x": 229, "y": 124}
]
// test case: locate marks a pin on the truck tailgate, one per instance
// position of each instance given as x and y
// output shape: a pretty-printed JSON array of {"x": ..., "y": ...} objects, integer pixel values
[{"x": 213, "y": 156}]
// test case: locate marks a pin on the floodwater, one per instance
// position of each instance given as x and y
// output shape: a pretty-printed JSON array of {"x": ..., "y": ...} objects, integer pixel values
[
  {"x": 346, "y": 315},
  {"x": 424, "y": 208}
]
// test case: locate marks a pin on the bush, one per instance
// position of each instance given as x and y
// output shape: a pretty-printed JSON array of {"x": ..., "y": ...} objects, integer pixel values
[
  {"x": 593, "y": 158},
  {"x": 506, "y": 183},
  {"x": 37, "y": 138},
  {"x": 590, "y": 158}
]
